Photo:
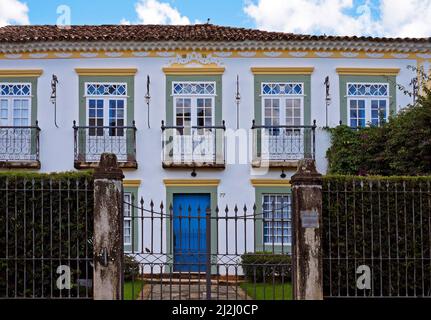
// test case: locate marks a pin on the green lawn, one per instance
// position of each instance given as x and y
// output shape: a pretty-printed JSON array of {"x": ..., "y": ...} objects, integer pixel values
[
  {"x": 268, "y": 291},
  {"x": 135, "y": 287}
]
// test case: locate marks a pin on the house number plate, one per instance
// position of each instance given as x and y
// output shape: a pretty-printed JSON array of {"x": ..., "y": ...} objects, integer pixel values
[{"x": 310, "y": 219}]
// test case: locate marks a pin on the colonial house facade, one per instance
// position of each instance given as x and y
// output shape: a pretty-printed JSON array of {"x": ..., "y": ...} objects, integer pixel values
[{"x": 199, "y": 114}]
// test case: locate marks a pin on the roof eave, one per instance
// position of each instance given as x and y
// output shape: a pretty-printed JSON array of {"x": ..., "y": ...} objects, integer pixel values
[{"x": 302, "y": 45}]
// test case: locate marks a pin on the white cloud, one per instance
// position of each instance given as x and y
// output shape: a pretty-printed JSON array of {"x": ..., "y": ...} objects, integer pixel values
[
  {"x": 406, "y": 18},
  {"x": 13, "y": 12},
  {"x": 157, "y": 12},
  {"x": 125, "y": 22}
]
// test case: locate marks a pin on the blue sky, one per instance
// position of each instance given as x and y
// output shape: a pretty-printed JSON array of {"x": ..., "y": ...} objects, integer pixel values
[
  {"x": 224, "y": 12},
  {"x": 391, "y": 18}
]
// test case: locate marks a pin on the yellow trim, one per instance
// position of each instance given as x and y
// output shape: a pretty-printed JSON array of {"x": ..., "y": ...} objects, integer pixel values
[
  {"x": 15, "y": 73},
  {"x": 175, "y": 71},
  {"x": 368, "y": 71},
  {"x": 272, "y": 70},
  {"x": 235, "y": 54},
  {"x": 270, "y": 183},
  {"x": 131, "y": 183},
  {"x": 106, "y": 72},
  {"x": 191, "y": 183}
]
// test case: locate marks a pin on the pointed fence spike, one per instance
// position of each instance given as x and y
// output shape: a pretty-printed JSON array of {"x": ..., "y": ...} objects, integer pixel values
[{"x": 161, "y": 206}]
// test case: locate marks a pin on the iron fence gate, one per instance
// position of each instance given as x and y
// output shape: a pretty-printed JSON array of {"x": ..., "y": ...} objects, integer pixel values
[
  {"x": 46, "y": 226},
  {"x": 204, "y": 253}
]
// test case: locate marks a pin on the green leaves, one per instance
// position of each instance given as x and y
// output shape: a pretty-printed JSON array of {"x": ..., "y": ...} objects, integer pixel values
[
  {"x": 382, "y": 223},
  {"x": 402, "y": 146},
  {"x": 46, "y": 221}
]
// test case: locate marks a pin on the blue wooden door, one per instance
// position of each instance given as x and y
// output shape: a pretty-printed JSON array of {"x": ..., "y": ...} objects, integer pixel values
[{"x": 189, "y": 232}]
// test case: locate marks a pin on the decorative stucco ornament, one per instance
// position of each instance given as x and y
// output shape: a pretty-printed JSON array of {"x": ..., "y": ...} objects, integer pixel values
[
  {"x": 196, "y": 59},
  {"x": 272, "y": 54},
  {"x": 324, "y": 54},
  {"x": 298, "y": 54},
  {"x": 247, "y": 54}
]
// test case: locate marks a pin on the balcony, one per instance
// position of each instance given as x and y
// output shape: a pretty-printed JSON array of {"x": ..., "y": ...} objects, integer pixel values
[
  {"x": 19, "y": 147},
  {"x": 92, "y": 142},
  {"x": 193, "y": 147},
  {"x": 282, "y": 146}
]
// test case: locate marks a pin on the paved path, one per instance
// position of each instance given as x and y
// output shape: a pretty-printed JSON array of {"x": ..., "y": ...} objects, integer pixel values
[{"x": 192, "y": 291}]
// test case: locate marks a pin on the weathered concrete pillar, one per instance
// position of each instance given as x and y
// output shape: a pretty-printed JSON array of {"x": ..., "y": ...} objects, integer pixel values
[
  {"x": 307, "y": 223},
  {"x": 108, "y": 230}
]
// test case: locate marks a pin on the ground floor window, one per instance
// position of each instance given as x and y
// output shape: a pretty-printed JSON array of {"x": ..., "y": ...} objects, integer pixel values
[
  {"x": 277, "y": 223},
  {"x": 127, "y": 219}
]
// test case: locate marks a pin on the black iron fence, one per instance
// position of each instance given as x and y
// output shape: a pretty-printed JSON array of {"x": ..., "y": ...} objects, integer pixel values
[
  {"x": 193, "y": 146},
  {"x": 46, "y": 226},
  {"x": 377, "y": 237},
  {"x": 194, "y": 253},
  {"x": 283, "y": 143},
  {"x": 19, "y": 143},
  {"x": 92, "y": 141}
]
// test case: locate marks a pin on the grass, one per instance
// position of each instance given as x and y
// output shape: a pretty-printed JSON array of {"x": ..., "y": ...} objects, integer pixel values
[
  {"x": 268, "y": 291},
  {"x": 135, "y": 287}
]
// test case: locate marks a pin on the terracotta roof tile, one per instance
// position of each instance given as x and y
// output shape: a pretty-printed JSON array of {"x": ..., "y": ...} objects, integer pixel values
[{"x": 201, "y": 32}]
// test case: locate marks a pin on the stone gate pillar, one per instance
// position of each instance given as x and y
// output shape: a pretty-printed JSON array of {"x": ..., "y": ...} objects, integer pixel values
[
  {"x": 108, "y": 230},
  {"x": 307, "y": 224}
]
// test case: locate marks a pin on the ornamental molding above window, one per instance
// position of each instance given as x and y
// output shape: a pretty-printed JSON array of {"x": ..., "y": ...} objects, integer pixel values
[
  {"x": 106, "y": 89},
  {"x": 15, "y": 89},
  {"x": 368, "y": 89},
  {"x": 194, "y": 88},
  {"x": 283, "y": 89},
  {"x": 195, "y": 59}
]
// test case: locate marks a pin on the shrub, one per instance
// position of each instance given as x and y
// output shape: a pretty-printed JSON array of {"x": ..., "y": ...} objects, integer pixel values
[
  {"x": 381, "y": 222},
  {"x": 131, "y": 268},
  {"x": 43, "y": 222},
  {"x": 265, "y": 266},
  {"x": 402, "y": 146}
]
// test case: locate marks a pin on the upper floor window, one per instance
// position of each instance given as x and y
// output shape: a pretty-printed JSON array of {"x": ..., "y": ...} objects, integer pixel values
[
  {"x": 194, "y": 88},
  {"x": 15, "y": 104},
  {"x": 283, "y": 104},
  {"x": 106, "y": 89},
  {"x": 194, "y": 104},
  {"x": 368, "y": 103},
  {"x": 106, "y": 107}
]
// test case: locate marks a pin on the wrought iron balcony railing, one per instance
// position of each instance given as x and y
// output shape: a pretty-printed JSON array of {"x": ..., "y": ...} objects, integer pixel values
[
  {"x": 19, "y": 146},
  {"x": 283, "y": 145},
  {"x": 197, "y": 146},
  {"x": 92, "y": 141}
]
